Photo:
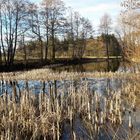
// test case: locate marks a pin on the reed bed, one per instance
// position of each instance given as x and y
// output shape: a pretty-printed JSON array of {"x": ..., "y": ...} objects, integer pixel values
[
  {"x": 47, "y": 74},
  {"x": 25, "y": 115}
]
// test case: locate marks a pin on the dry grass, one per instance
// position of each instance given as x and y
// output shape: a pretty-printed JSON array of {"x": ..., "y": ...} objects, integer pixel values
[
  {"x": 47, "y": 74},
  {"x": 28, "y": 116}
]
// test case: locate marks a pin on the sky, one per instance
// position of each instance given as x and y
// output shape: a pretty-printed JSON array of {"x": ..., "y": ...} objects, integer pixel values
[{"x": 95, "y": 9}]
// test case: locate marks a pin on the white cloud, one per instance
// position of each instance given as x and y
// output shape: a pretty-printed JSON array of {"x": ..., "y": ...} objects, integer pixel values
[
  {"x": 103, "y": 7},
  {"x": 96, "y": 11}
]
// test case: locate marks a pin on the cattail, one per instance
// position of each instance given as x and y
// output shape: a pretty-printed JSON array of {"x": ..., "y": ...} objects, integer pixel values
[
  {"x": 89, "y": 115},
  {"x": 93, "y": 119},
  {"x": 71, "y": 117},
  {"x": 40, "y": 103},
  {"x": 105, "y": 104},
  {"x": 54, "y": 134},
  {"x": 48, "y": 105},
  {"x": 120, "y": 117},
  {"x": 111, "y": 107},
  {"x": 58, "y": 130},
  {"x": 74, "y": 136},
  {"x": 101, "y": 117},
  {"x": 96, "y": 117},
  {"x": 130, "y": 125},
  {"x": 2, "y": 136},
  {"x": 95, "y": 127}
]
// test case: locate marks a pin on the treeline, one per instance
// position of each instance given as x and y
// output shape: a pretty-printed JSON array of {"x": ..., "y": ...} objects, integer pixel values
[
  {"x": 50, "y": 26},
  {"x": 95, "y": 47},
  {"x": 47, "y": 22}
]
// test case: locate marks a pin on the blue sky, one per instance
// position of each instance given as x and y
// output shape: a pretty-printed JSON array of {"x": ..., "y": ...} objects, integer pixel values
[{"x": 95, "y": 9}]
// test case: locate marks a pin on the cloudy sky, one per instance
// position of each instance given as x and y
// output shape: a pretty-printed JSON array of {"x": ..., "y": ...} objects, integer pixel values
[{"x": 95, "y": 9}]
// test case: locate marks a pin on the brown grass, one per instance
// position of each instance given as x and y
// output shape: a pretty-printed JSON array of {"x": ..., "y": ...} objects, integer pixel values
[
  {"x": 28, "y": 116},
  {"x": 47, "y": 74}
]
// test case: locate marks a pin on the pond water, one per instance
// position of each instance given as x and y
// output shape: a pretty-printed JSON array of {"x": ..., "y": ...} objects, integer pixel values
[
  {"x": 100, "y": 85},
  {"x": 100, "y": 66}
]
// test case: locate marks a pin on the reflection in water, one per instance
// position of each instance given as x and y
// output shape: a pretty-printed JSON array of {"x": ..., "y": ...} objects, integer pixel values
[
  {"x": 129, "y": 67},
  {"x": 99, "y": 65}
]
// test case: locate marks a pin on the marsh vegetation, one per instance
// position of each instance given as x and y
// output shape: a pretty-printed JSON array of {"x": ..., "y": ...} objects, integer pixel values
[
  {"x": 84, "y": 84},
  {"x": 105, "y": 107}
]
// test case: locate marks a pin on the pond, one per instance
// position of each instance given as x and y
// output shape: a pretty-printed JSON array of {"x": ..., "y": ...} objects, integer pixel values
[
  {"x": 90, "y": 66},
  {"x": 100, "y": 65}
]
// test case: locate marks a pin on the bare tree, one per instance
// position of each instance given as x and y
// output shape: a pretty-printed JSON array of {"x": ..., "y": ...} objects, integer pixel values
[
  {"x": 105, "y": 28},
  {"x": 79, "y": 30},
  {"x": 129, "y": 21},
  {"x": 54, "y": 20},
  {"x": 77, "y": 25},
  {"x": 12, "y": 14},
  {"x": 35, "y": 22},
  {"x": 86, "y": 32},
  {"x": 70, "y": 30},
  {"x": 74, "y": 29},
  {"x": 24, "y": 48},
  {"x": 105, "y": 24},
  {"x": 45, "y": 14}
]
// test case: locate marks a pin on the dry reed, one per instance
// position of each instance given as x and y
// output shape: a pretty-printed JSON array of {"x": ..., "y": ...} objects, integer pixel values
[
  {"x": 26, "y": 115},
  {"x": 47, "y": 74}
]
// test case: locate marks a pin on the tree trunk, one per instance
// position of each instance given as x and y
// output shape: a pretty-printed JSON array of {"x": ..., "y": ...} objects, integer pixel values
[
  {"x": 53, "y": 45},
  {"x": 16, "y": 37},
  {"x": 46, "y": 45},
  {"x": 107, "y": 52},
  {"x": 1, "y": 34},
  {"x": 47, "y": 35},
  {"x": 25, "y": 51},
  {"x": 46, "y": 50},
  {"x": 0, "y": 56},
  {"x": 41, "y": 45}
]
